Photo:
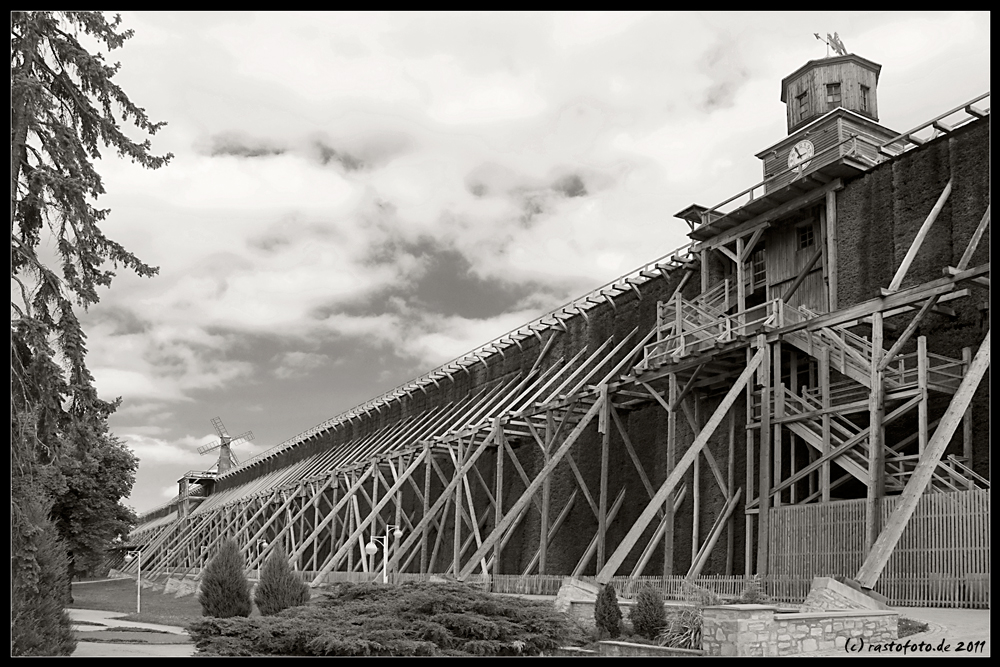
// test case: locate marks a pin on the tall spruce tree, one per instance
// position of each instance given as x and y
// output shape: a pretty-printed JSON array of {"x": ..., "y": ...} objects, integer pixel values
[{"x": 63, "y": 112}]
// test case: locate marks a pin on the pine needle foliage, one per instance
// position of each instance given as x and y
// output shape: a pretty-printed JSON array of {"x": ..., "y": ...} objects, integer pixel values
[
  {"x": 607, "y": 613},
  {"x": 225, "y": 591},
  {"x": 279, "y": 588},
  {"x": 415, "y": 618},
  {"x": 65, "y": 108},
  {"x": 648, "y": 616}
]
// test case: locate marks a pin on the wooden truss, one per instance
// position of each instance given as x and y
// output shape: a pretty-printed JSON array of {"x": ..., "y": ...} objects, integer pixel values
[{"x": 467, "y": 480}]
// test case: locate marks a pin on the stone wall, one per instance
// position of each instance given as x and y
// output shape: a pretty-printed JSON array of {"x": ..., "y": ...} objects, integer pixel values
[
  {"x": 829, "y": 594},
  {"x": 756, "y": 630}
]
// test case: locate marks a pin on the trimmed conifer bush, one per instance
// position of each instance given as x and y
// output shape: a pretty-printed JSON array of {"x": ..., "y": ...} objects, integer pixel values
[
  {"x": 39, "y": 579},
  {"x": 279, "y": 588},
  {"x": 607, "y": 614},
  {"x": 225, "y": 591},
  {"x": 648, "y": 616}
]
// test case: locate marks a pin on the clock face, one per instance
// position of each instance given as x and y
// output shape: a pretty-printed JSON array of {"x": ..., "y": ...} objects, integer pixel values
[{"x": 801, "y": 155}]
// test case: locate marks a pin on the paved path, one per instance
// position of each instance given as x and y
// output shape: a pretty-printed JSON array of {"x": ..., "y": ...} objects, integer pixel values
[{"x": 167, "y": 640}]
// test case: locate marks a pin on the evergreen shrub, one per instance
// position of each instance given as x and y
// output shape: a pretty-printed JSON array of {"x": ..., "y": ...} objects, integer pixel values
[
  {"x": 279, "y": 587},
  {"x": 413, "y": 619},
  {"x": 39, "y": 580},
  {"x": 648, "y": 616},
  {"x": 225, "y": 591},
  {"x": 607, "y": 613}
]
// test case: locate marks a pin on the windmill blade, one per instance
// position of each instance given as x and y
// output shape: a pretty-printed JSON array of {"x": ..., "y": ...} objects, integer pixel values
[
  {"x": 209, "y": 447},
  {"x": 242, "y": 437},
  {"x": 232, "y": 455},
  {"x": 217, "y": 423}
]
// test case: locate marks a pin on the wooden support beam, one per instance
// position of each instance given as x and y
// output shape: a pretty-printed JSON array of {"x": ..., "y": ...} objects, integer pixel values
[
  {"x": 918, "y": 240},
  {"x": 831, "y": 249},
  {"x": 765, "y": 219},
  {"x": 963, "y": 263},
  {"x": 498, "y": 505},
  {"x": 602, "y": 517},
  {"x": 824, "y": 383},
  {"x": 764, "y": 469},
  {"x": 802, "y": 275},
  {"x": 967, "y": 415},
  {"x": 668, "y": 534},
  {"x": 751, "y": 244},
  {"x": 728, "y": 253},
  {"x": 701, "y": 558},
  {"x": 696, "y": 489},
  {"x": 907, "y": 332},
  {"x": 883, "y": 304},
  {"x": 692, "y": 419},
  {"x": 730, "y": 480},
  {"x": 525, "y": 498},
  {"x": 688, "y": 386},
  {"x": 626, "y": 545},
  {"x": 876, "y": 435},
  {"x": 880, "y": 552}
]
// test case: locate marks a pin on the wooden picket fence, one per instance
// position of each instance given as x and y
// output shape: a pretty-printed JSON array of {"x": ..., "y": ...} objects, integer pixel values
[{"x": 942, "y": 558}]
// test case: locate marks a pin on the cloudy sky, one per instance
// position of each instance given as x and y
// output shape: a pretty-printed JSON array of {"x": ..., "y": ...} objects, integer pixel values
[{"x": 358, "y": 198}]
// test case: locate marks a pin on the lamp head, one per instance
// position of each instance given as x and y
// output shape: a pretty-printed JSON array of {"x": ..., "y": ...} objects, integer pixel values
[
  {"x": 129, "y": 557},
  {"x": 397, "y": 533},
  {"x": 371, "y": 548}
]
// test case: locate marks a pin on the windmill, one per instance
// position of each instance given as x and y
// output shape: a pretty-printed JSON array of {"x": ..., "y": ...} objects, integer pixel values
[{"x": 225, "y": 446}]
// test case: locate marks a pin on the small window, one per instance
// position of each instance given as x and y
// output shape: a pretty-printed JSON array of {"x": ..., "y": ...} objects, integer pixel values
[
  {"x": 806, "y": 237},
  {"x": 803, "y": 100},
  {"x": 864, "y": 98},
  {"x": 759, "y": 267},
  {"x": 832, "y": 95}
]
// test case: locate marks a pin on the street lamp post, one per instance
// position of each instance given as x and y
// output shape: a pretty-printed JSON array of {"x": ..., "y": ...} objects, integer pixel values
[
  {"x": 371, "y": 548},
  {"x": 129, "y": 555}
]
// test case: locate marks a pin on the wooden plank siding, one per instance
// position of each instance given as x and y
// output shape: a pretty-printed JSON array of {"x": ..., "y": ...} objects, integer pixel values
[
  {"x": 785, "y": 260},
  {"x": 813, "y": 82},
  {"x": 942, "y": 559},
  {"x": 823, "y": 136}
]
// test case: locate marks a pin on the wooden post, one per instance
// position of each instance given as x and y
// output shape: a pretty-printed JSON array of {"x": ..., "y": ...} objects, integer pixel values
[
  {"x": 764, "y": 485},
  {"x": 831, "y": 248},
  {"x": 424, "y": 564},
  {"x": 668, "y": 507},
  {"x": 880, "y": 552},
  {"x": 876, "y": 455},
  {"x": 457, "y": 534},
  {"x": 602, "y": 518},
  {"x": 779, "y": 411},
  {"x": 741, "y": 288},
  {"x": 546, "y": 489},
  {"x": 498, "y": 508},
  {"x": 751, "y": 456},
  {"x": 696, "y": 489},
  {"x": 731, "y": 481},
  {"x": 704, "y": 270},
  {"x": 824, "y": 384},
  {"x": 673, "y": 479},
  {"x": 922, "y": 387},
  {"x": 967, "y": 416}
]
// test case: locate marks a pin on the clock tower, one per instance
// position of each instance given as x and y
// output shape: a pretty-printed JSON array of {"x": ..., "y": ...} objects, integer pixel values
[{"x": 831, "y": 107}]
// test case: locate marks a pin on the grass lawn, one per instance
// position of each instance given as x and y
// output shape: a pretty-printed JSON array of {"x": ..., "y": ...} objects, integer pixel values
[{"x": 119, "y": 595}]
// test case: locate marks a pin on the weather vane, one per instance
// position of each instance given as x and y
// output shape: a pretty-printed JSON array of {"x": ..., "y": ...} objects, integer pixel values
[{"x": 833, "y": 41}]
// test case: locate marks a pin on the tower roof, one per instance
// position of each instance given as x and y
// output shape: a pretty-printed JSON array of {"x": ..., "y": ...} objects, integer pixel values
[{"x": 823, "y": 62}]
